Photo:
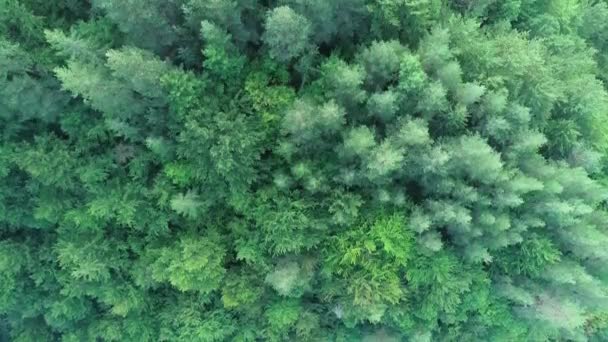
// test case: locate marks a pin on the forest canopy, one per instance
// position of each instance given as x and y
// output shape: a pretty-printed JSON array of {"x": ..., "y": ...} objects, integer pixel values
[{"x": 303, "y": 170}]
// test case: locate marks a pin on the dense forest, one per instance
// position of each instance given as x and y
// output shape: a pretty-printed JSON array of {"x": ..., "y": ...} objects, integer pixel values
[{"x": 303, "y": 170}]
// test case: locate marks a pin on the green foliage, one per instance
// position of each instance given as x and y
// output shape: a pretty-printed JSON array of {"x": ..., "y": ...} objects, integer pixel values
[
  {"x": 381, "y": 62},
  {"x": 530, "y": 257},
  {"x": 409, "y": 19},
  {"x": 303, "y": 170},
  {"x": 440, "y": 281},
  {"x": 267, "y": 99},
  {"x": 369, "y": 263},
  {"x": 187, "y": 204},
  {"x": 221, "y": 57},
  {"x": 288, "y": 226},
  {"x": 287, "y": 34},
  {"x": 290, "y": 278},
  {"x": 192, "y": 264},
  {"x": 146, "y": 24}
]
